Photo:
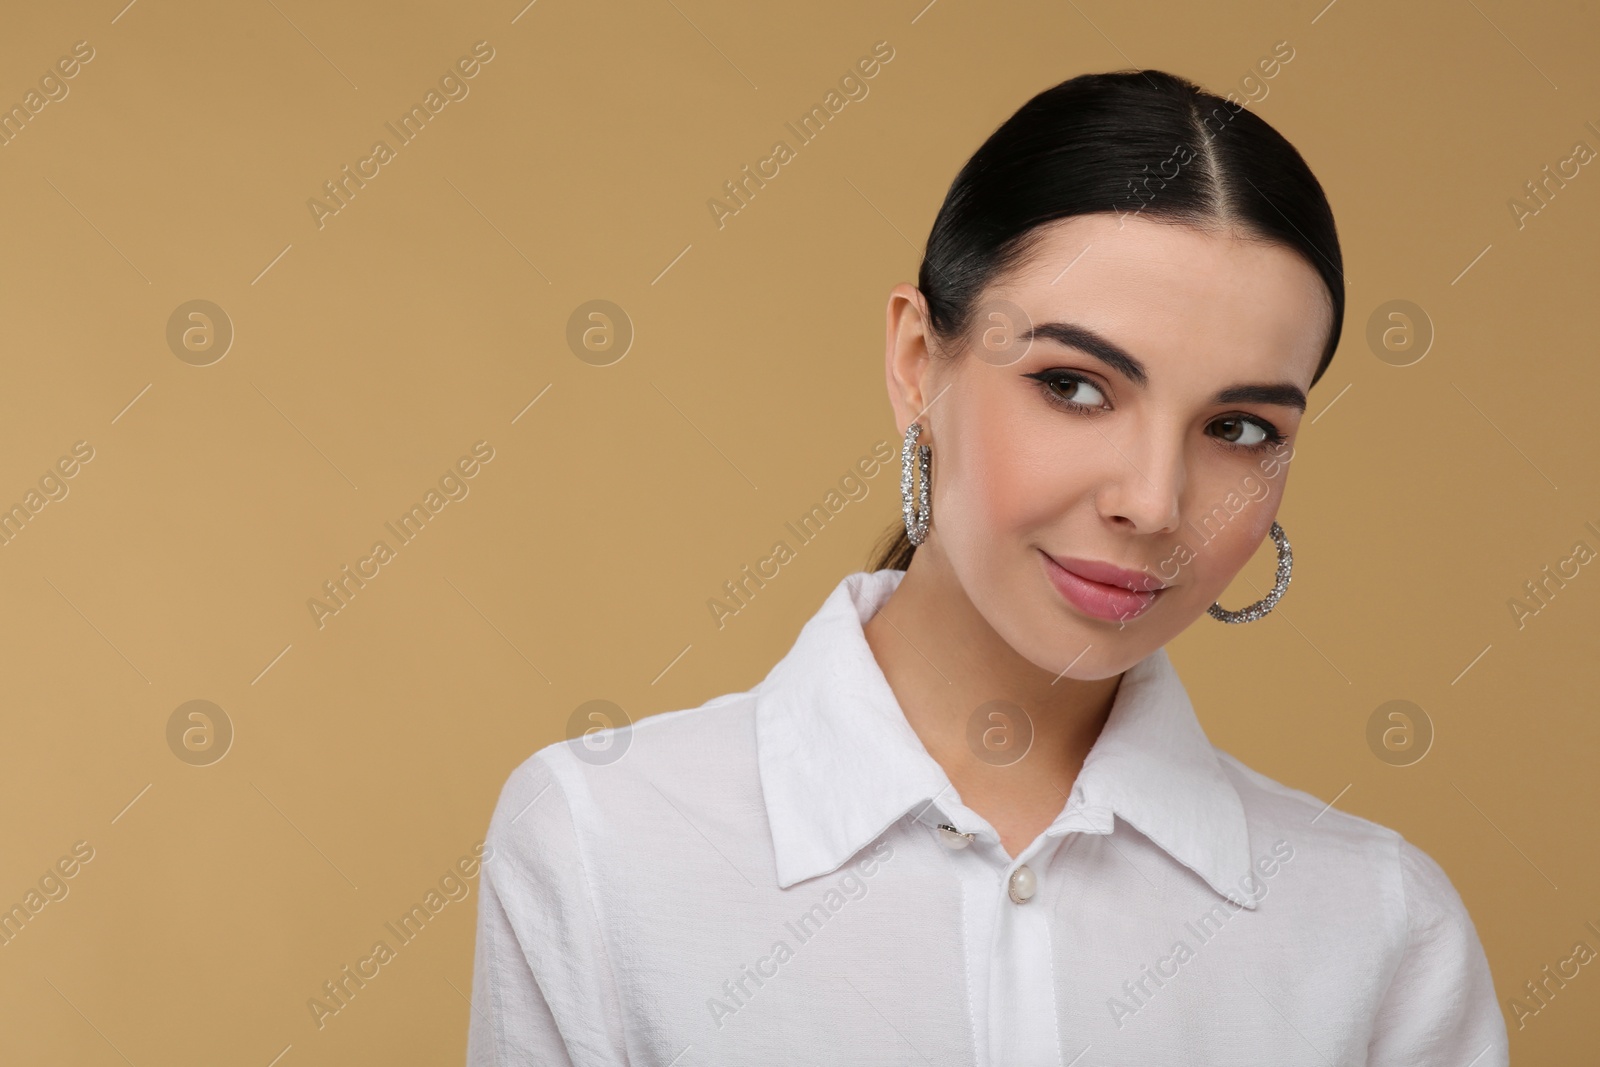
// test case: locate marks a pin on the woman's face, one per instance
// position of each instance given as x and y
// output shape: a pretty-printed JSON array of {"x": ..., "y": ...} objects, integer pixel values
[{"x": 1130, "y": 397}]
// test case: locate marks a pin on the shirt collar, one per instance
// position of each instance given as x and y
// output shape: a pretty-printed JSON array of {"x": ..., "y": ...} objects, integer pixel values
[{"x": 839, "y": 763}]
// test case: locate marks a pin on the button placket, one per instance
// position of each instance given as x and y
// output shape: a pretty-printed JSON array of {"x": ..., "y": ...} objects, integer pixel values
[{"x": 1022, "y": 1002}]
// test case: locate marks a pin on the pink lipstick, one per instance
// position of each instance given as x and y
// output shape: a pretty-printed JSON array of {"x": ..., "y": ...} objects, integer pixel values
[{"x": 1101, "y": 589}]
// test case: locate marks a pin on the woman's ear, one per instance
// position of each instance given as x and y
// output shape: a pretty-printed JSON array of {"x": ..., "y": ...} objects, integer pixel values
[{"x": 907, "y": 361}]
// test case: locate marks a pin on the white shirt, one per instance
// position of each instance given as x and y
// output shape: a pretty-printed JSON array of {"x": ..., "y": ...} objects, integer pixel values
[{"x": 762, "y": 881}]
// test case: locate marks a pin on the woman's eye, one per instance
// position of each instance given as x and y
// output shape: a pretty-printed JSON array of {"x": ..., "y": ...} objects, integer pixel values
[
  {"x": 1077, "y": 391},
  {"x": 1239, "y": 431}
]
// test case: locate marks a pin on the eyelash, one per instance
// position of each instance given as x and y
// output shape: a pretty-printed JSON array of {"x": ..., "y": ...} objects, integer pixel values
[{"x": 1048, "y": 378}]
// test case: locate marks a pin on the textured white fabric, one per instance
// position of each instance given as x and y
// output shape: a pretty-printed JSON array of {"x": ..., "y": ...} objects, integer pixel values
[{"x": 761, "y": 881}]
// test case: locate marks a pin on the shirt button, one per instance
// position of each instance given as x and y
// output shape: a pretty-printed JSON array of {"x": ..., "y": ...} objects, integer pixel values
[
  {"x": 1022, "y": 885},
  {"x": 953, "y": 838}
]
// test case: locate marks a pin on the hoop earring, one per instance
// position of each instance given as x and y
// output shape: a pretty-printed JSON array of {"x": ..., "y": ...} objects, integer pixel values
[
  {"x": 916, "y": 523},
  {"x": 1265, "y": 604}
]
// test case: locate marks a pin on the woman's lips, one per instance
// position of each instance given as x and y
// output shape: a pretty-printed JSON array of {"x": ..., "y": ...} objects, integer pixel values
[{"x": 1119, "y": 602}]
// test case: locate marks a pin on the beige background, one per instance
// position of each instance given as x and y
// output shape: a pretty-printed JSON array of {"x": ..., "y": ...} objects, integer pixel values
[{"x": 432, "y": 310}]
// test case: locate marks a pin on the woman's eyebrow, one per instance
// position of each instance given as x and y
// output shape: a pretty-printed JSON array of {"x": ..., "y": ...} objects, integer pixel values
[
  {"x": 1121, "y": 360},
  {"x": 1081, "y": 337},
  {"x": 1285, "y": 393}
]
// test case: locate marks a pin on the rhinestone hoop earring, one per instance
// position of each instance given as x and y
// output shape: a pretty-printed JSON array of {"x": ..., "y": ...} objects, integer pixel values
[
  {"x": 916, "y": 522},
  {"x": 1265, "y": 604}
]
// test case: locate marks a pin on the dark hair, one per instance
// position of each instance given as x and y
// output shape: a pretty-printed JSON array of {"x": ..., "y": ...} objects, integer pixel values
[{"x": 1104, "y": 143}]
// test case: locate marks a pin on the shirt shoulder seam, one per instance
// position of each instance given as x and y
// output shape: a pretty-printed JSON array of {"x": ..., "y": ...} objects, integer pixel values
[
  {"x": 1398, "y": 844},
  {"x": 559, "y": 775}
]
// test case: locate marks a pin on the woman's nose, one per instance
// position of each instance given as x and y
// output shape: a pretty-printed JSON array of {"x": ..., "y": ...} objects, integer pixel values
[{"x": 1145, "y": 484}]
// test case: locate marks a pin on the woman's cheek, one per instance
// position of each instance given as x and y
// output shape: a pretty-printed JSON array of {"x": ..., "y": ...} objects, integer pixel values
[
  {"x": 1226, "y": 536},
  {"x": 976, "y": 470},
  {"x": 1013, "y": 488}
]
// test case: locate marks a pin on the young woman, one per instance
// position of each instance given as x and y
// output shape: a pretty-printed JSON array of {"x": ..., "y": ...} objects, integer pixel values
[{"x": 971, "y": 818}]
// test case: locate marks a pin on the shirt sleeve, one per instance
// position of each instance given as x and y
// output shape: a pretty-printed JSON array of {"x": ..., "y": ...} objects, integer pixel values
[
  {"x": 1440, "y": 1006},
  {"x": 543, "y": 991}
]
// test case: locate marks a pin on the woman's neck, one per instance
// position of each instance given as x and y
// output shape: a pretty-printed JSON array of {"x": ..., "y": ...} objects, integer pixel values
[{"x": 959, "y": 684}]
